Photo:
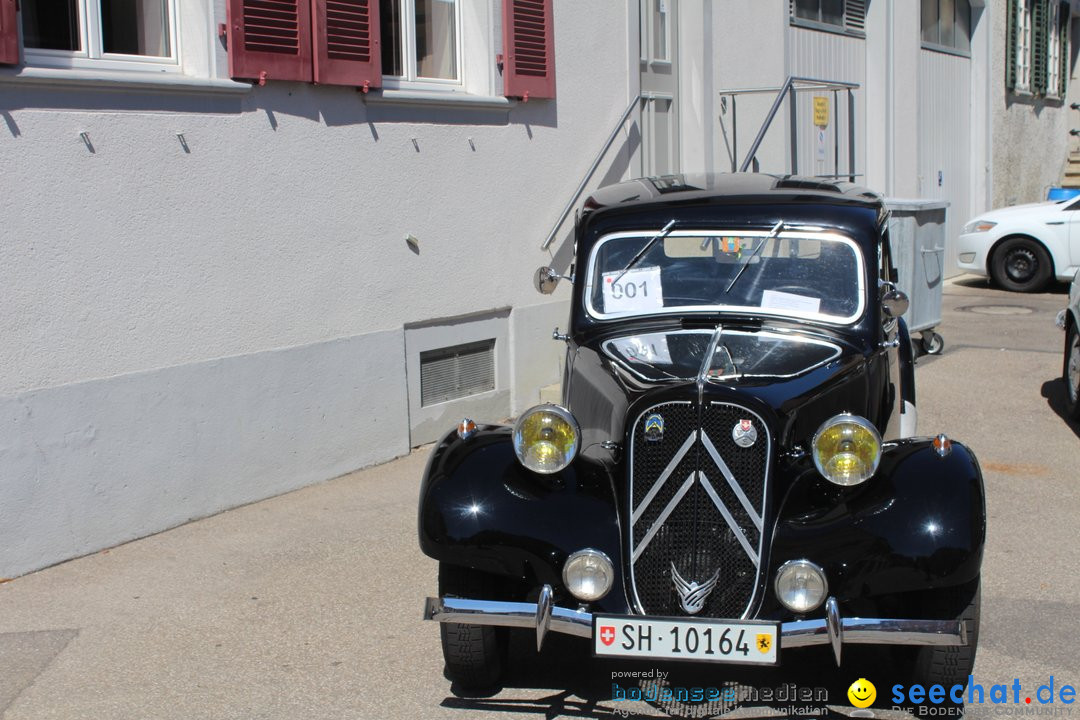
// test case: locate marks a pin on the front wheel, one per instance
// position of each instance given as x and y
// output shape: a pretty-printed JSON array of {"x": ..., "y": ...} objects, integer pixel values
[
  {"x": 952, "y": 664},
  {"x": 1071, "y": 372},
  {"x": 475, "y": 655},
  {"x": 1021, "y": 264}
]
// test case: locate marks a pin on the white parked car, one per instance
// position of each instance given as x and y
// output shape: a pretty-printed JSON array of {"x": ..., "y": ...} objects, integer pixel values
[
  {"x": 1069, "y": 321},
  {"x": 1023, "y": 246}
]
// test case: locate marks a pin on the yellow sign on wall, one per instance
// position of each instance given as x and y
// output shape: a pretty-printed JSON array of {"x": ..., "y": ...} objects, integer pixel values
[{"x": 821, "y": 111}]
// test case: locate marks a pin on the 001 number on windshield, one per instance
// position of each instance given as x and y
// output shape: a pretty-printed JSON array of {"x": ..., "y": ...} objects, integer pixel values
[{"x": 638, "y": 290}]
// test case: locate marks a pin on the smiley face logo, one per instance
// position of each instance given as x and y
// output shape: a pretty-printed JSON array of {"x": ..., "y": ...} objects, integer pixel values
[{"x": 862, "y": 693}]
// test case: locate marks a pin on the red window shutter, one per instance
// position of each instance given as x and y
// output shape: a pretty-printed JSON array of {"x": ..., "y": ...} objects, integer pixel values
[
  {"x": 270, "y": 39},
  {"x": 9, "y": 33},
  {"x": 347, "y": 49},
  {"x": 529, "y": 47}
]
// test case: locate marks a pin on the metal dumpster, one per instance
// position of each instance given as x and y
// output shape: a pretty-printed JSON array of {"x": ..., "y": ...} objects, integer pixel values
[{"x": 917, "y": 238}]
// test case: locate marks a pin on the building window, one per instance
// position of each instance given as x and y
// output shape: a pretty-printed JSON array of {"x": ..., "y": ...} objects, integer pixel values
[
  {"x": 1037, "y": 47},
  {"x": 655, "y": 31},
  {"x": 73, "y": 33},
  {"x": 1053, "y": 51},
  {"x": 420, "y": 40},
  {"x": 946, "y": 25},
  {"x": 846, "y": 16},
  {"x": 1022, "y": 18}
]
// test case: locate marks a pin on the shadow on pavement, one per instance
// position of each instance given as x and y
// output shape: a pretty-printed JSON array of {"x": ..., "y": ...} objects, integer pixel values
[
  {"x": 1055, "y": 393},
  {"x": 1054, "y": 287},
  {"x": 583, "y": 687}
]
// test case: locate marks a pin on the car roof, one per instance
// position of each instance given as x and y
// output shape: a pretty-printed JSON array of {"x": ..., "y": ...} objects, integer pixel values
[{"x": 733, "y": 187}]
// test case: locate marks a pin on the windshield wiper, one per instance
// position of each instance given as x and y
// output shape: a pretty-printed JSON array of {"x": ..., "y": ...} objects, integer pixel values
[
  {"x": 641, "y": 253},
  {"x": 772, "y": 233}
]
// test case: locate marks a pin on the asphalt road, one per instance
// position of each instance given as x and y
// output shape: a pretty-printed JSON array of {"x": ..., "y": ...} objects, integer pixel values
[{"x": 308, "y": 605}]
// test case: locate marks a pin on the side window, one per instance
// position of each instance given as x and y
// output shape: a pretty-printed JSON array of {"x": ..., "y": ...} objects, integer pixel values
[
  {"x": 396, "y": 44},
  {"x": 946, "y": 25},
  {"x": 1037, "y": 47},
  {"x": 420, "y": 40},
  {"x": 842, "y": 16},
  {"x": 886, "y": 269},
  {"x": 69, "y": 33}
]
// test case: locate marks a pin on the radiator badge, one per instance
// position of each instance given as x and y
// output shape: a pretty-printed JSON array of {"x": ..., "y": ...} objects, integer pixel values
[
  {"x": 744, "y": 433},
  {"x": 654, "y": 428},
  {"x": 692, "y": 596}
]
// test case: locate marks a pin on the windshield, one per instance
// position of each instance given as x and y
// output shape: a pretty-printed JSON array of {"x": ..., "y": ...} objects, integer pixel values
[{"x": 801, "y": 274}]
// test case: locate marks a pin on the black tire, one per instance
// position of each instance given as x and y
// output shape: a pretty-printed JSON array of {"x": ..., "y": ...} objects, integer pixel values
[
  {"x": 950, "y": 665},
  {"x": 1070, "y": 371},
  {"x": 1021, "y": 264},
  {"x": 475, "y": 655}
]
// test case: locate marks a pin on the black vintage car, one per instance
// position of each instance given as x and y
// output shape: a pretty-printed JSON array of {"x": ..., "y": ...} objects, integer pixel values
[{"x": 732, "y": 473}]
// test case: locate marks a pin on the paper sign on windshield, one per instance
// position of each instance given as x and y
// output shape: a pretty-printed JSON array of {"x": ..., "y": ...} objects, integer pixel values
[
  {"x": 776, "y": 300},
  {"x": 638, "y": 290}
]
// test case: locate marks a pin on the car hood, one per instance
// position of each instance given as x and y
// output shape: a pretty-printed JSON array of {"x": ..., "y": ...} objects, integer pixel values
[{"x": 1021, "y": 212}]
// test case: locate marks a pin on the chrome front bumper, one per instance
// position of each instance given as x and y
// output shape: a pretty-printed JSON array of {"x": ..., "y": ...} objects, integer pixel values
[{"x": 831, "y": 630}]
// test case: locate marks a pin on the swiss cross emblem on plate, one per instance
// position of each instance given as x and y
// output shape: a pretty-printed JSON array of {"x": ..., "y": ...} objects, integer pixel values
[
  {"x": 744, "y": 433},
  {"x": 607, "y": 634}
]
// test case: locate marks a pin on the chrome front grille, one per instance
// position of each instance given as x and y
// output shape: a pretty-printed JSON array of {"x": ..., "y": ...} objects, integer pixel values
[{"x": 696, "y": 503}]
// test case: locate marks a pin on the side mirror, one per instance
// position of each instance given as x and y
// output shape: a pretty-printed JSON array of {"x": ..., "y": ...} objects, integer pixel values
[
  {"x": 894, "y": 303},
  {"x": 545, "y": 280}
]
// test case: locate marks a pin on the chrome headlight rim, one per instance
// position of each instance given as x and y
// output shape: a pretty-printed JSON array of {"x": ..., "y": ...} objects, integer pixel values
[
  {"x": 564, "y": 415},
  {"x": 846, "y": 417},
  {"x": 604, "y": 560},
  {"x": 809, "y": 565}
]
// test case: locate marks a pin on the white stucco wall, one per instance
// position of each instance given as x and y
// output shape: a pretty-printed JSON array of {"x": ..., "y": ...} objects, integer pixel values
[
  {"x": 750, "y": 51},
  {"x": 188, "y": 331}
]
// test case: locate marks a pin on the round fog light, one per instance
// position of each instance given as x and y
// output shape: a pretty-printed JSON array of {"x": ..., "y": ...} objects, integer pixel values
[
  {"x": 801, "y": 585},
  {"x": 588, "y": 575}
]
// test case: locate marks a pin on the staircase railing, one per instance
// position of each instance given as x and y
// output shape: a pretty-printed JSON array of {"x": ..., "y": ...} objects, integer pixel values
[
  {"x": 788, "y": 91},
  {"x": 592, "y": 169}
]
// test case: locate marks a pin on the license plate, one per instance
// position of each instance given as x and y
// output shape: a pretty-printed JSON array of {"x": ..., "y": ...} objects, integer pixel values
[{"x": 702, "y": 640}]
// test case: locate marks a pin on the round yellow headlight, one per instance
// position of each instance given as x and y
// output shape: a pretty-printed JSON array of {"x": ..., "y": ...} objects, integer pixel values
[
  {"x": 546, "y": 438},
  {"x": 847, "y": 450}
]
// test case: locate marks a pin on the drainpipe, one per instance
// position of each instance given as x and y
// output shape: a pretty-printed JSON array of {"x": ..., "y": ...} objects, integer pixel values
[{"x": 890, "y": 102}]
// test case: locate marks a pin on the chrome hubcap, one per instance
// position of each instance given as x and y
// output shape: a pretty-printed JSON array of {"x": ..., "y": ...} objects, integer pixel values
[{"x": 1074, "y": 368}]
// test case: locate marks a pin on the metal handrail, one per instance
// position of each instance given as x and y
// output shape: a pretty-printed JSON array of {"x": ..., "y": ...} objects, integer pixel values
[
  {"x": 588, "y": 176},
  {"x": 784, "y": 90},
  {"x": 806, "y": 84},
  {"x": 792, "y": 85}
]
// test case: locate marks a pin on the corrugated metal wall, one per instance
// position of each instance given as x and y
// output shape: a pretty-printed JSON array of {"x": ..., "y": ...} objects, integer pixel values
[
  {"x": 944, "y": 140},
  {"x": 832, "y": 57}
]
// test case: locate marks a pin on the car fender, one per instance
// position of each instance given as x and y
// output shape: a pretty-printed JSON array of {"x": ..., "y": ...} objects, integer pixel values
[
  {"x": 918, "y": 524},
  {"x": 481, "y": 508}
]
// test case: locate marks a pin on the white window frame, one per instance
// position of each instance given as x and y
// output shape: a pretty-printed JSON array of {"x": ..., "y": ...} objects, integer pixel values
[
  {"x": 411, "y": 80},
  {"x": 648, "y": 9},
  {"x": 1053, "y": 51},
  {"x": 92, "y": 55},
  {"x": 1023, "y": 47}
]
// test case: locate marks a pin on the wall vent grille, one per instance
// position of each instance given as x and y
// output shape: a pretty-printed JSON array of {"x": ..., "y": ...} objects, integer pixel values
[
  {"x": 455, "y": 372},
  {"x": 855, "y": 15}
]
